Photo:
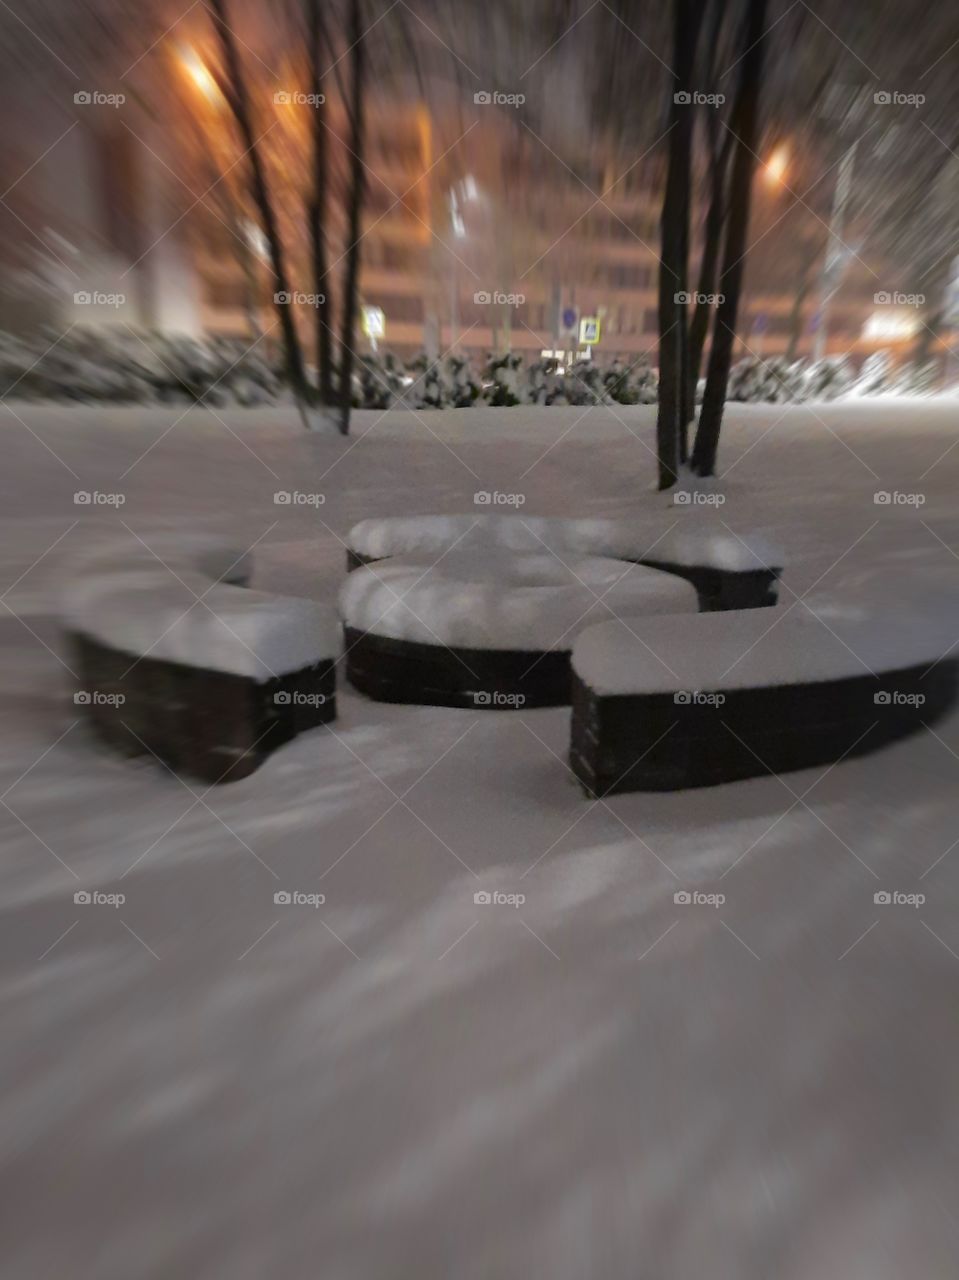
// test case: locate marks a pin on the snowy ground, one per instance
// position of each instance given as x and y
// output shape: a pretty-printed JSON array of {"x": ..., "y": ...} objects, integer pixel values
[{"x": 599, "y": 1083}]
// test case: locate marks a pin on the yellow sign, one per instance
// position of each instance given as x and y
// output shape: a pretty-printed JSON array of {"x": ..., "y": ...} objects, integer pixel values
[
  {"x": 374, "y": 322},
  {"x": 589, "y": 328}
]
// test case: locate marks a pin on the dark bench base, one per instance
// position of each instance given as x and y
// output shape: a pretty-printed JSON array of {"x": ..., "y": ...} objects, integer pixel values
[
  {"x": 210, "y": 725},
  {"x": 721, "y": 589},
  {"x": 622, "y": 743},
  {"x": 355, "y": 560},
  {"x": 389, "y": 670}
]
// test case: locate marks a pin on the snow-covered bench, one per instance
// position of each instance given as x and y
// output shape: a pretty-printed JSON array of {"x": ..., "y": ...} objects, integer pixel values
[
  {"x": 186, "y": 663},
  {"x": 660, "y": 704},
  {"x": 487, "y": 630},
  {"x": 728, "y": 570}
]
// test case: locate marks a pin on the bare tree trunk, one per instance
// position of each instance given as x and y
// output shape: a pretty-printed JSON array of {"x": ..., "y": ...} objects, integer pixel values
[
  {"x": 674, "y": 255},
  {"x": 351, "y": 283},
  {"x": 322, "y": 285},
  {"x": 930, "y": 326},
  {"x": 236, "y": 94},
  {"x": 804, "y": 284},
  {"x": 745, "y": 125},
  {"x": 708, "y": 263},
  {"x": 719, "y": 152}
]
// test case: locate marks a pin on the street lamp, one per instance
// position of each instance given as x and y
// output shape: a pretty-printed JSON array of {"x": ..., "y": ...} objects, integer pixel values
[
  {"x": 200, "y": 74},
  {"x": 776, "y": 166}
]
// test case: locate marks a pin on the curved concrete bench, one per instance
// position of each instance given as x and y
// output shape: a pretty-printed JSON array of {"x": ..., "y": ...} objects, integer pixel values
[
  {"x": 486, "y": 631},
  {"x": 727, "y": 696},
  {"x": 210, "y": 687},
  {"x": 729, "y": 571}
]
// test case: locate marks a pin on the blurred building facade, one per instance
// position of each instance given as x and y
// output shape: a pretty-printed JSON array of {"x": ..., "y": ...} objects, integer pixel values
[{"x": 477, "y": 237}]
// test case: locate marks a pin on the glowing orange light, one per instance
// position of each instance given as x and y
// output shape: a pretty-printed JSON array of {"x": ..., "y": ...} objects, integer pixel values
[
  {"x": 200, "y": 74},
  {"x": 776, "y": 166}
]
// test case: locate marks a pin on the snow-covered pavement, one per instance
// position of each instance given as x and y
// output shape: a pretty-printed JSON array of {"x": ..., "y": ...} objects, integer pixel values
[{"x": 401, "y": 1082}]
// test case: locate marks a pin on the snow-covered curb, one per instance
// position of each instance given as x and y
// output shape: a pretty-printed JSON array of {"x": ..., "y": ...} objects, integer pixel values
[
  {"x": 186, "y": 611},
  {"x": 755, "y": 648},
  {"x": 474, "y": 600},
  {"x": 704, "y": 543}
]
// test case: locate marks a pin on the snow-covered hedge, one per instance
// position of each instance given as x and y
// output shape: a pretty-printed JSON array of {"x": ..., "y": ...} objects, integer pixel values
[{"x": 124, "y": 367}]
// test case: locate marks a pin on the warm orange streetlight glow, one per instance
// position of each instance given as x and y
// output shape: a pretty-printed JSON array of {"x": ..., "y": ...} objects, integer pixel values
[
  {"x": 200, "y": 74},
  {"x": 776, "y": 166}
]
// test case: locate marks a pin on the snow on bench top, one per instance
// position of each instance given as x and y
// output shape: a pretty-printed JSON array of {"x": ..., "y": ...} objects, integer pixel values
[
  {"x": 750, "y": 648},
  {"x": 478, "y": 600},
  {"x": 146, "y": 612},
  {"x": 693, "y": 541},
  {"x": 218, "y": 561}
]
